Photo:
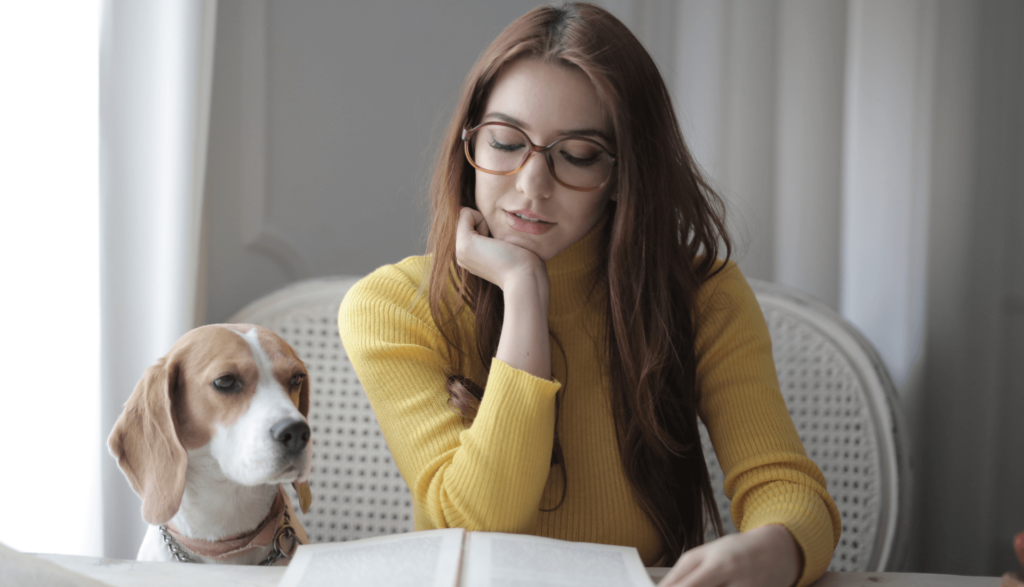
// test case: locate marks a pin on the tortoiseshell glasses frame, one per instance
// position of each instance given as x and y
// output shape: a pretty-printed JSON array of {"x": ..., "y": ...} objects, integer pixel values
[{"x": 468, "y": 133}]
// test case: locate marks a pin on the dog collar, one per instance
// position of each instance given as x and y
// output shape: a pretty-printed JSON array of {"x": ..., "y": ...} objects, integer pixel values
[{"x": 275, "y": 530}]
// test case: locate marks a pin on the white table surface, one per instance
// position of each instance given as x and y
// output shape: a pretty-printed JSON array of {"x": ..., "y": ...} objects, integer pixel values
[{"x": 126, "y": 573}]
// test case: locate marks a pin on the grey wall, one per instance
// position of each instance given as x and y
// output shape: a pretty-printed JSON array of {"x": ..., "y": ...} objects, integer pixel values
[
  {"x": 971, "y": 449},
  {"x": 323, "y": 121}
]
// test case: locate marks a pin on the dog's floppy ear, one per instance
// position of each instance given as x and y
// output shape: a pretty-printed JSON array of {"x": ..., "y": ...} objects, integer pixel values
[
  {"x": 302, "y": 485},
  {"x": 145, "y": 443},
  {"x": 303, "y": 400},
  {"x": 305, "y": 495}
]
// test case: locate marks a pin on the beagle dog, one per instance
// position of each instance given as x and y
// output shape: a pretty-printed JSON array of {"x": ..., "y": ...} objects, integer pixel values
[{"x": 207, "y": 438}]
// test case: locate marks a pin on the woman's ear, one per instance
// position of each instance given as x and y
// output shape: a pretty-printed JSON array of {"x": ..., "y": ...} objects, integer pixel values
[{"x": 145, "y": 443}]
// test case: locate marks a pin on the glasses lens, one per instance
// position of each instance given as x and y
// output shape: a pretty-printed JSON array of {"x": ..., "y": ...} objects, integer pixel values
[
  {"x": 495, "y": 147},
  {"x": 579, "y": 163}
]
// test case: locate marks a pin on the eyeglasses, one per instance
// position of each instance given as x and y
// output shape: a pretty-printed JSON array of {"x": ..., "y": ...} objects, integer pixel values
[{"x": 577, "y": 163}]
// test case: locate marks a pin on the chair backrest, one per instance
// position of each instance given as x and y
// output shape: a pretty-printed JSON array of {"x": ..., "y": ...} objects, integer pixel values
[
  {"x": 844, "y": 406},
  {"x": 357, "y": 490},
  {"x": 838, "y": 392}
]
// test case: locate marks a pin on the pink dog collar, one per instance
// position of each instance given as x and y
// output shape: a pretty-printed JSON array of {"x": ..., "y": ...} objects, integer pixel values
[{"x": 275, "y": 527}]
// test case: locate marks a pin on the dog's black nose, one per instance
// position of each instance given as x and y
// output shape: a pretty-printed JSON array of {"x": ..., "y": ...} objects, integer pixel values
[{"x": 293, "y": 434}]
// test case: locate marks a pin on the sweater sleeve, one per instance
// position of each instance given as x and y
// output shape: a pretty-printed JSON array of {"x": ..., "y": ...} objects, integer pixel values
[
  {"x": 768, "y": 476},
  {"x": 488, "y": 477}
]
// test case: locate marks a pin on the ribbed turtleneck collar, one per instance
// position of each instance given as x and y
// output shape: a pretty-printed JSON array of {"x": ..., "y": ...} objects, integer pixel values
[{"x": 574, "y": 272}]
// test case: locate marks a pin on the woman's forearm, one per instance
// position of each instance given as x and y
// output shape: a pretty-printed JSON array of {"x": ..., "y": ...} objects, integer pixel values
[
  {"x": 490, "y": 477},
  {"x": 524, "y": 342}
]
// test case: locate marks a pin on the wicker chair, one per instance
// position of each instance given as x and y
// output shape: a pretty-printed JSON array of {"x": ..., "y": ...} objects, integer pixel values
[
  {"x": 837, "y": 390},
  {"x": 844, "y": 406},
  {"x": 357, "y": 490}
]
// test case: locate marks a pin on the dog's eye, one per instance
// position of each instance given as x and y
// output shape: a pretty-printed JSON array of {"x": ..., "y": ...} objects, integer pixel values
[
  {"x": 297, "y": 380},
  {"x": 226, "y": 383}
]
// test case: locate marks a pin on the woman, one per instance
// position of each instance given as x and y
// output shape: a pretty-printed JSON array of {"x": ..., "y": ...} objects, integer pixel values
[{"x": 574, "y": 306}]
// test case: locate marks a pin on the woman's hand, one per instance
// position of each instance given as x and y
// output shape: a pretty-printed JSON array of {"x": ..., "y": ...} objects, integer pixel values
[
  {"x": 523, "y": 278},
  {"x": 1015, "y": 579},
  {"x": 496, "y": 261},
  {"x": 763, "y": 557}
]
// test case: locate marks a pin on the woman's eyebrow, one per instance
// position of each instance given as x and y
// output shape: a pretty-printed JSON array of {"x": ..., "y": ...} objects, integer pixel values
[
  {"x": 578, "y": 132},
  {"x": 587, "y": 132},
  {"x": 506, "y": 118}
]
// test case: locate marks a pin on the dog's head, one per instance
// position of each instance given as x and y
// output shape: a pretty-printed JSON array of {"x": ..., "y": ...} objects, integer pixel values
[{"x": 238, "y": 388}]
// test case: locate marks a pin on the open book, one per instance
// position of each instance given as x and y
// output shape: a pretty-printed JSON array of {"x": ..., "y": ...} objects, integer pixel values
[{"x": 457, "y": 558}]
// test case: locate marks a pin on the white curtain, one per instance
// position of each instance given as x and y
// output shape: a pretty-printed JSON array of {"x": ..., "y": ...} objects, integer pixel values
[
  {"x": 870, "y": 152},
  {"x": 155, "y": 76}
]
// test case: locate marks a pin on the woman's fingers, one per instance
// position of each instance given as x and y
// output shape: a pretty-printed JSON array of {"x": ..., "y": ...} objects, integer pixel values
[
  {"x": 704, "y": 574},
  {"x": 494, "y": 260},
  {"x": 705, "y": 566},
  {"x": 481, "y": 227},
  {"x": 1012, "y": 580},
  {"x": 464, "y": 233},
  {"x": 765, "y": 557},
  {"x": 684, "y": 566},
  {"x": 1018, "y": 547},
  {"x": 469, "y": 219}
]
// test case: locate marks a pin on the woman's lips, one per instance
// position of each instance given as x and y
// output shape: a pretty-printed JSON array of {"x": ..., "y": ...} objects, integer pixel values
[{"x": 527, "y": 226}]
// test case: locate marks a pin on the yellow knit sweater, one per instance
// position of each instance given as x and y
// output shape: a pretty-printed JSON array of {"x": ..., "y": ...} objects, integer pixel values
[{"x": 496, "y": 475}]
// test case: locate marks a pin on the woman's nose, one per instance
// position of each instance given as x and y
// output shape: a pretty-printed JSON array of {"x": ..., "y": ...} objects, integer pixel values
[{"x": 534, "y": 179}]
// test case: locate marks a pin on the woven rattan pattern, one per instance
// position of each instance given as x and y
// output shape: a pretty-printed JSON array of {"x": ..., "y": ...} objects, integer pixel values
[
  {"x": 357, "y": 490},
  {"x": 826, "y": 402}
]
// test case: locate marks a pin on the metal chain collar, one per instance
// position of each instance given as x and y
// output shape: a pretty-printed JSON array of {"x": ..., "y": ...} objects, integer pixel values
[
  {"x": 172, "y": 545},
  {"x": 285, "y": 531},
  {"x": 276, "y": 552}
]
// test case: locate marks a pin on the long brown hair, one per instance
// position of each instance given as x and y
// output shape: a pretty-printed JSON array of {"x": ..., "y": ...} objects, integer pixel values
[{"x": 666, "y": 231}]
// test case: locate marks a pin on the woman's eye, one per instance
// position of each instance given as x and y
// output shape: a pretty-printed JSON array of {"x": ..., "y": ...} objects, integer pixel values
[
  {"x": 226, "y": 383},
  {"x": 297, "y": 380},
  {"x": 579, "y": 161},
  {"x": 504, "y": 147}
]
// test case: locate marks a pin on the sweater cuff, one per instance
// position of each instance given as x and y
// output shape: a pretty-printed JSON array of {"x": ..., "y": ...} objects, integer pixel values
[
  {"x": 509, "y": 449},
  {"x": 517, "y": 414},
  {"x": 505, "y": 376},
  {"x": 804, "y": 518}
]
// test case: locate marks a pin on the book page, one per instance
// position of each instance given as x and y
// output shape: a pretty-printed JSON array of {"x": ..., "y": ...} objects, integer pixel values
[
  {"x": 429, "y": 558},
  {"x": 493, "y": 559},
  {"x": 130, "y": 573},
  {"x": 17, "y": 568}
]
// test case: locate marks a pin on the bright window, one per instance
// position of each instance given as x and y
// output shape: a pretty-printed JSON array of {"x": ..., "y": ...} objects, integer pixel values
[{"x": 49, "y": 237}]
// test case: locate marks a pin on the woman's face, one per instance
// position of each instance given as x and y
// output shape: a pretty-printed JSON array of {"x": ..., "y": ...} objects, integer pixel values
[{"x": 548, "y": 102}]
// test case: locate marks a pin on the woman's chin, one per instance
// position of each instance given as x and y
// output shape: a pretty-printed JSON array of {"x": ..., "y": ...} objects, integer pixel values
[{"x": 526, "y": 242}]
